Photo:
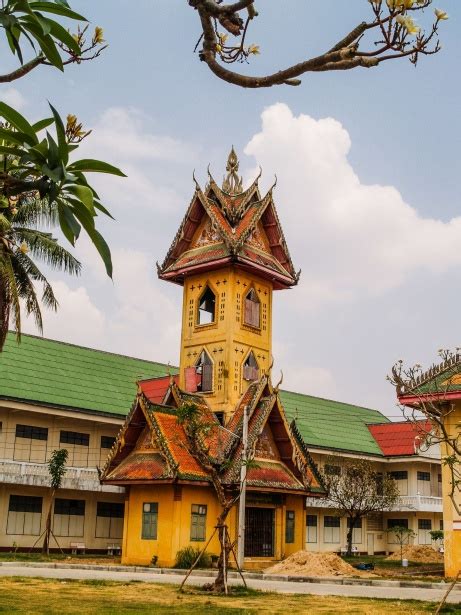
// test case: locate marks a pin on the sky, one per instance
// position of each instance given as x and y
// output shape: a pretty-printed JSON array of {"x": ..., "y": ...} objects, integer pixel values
[{"x": 368, "y": 170}]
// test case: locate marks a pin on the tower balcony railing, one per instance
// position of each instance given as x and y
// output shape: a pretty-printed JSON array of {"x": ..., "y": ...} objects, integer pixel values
[{"x": 36, "y": 475}]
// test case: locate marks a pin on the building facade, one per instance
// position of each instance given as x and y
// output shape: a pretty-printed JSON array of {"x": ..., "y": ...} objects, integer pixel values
[
  {"x": 229, "y": 255},
  {"x": 437, "y": 393}
]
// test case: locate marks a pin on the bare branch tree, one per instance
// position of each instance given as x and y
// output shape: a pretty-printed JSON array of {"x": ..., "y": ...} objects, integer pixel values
[
  {"x": 390, "y": 33},
  {"x": 355, "y": 490}
]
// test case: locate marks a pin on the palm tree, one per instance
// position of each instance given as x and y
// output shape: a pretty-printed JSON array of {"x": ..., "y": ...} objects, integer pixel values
[{"x": 21, "y": 243}]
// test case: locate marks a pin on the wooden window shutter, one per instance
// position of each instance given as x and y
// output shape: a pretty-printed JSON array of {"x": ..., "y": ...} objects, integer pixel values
[
  {"x": 207, "y": 377},
  {"x": 248, "y": 311},
  {"x": 190, "y": 374}
]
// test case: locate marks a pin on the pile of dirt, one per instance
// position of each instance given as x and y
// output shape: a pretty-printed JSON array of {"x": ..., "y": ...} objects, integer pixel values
[
  {"x": 306, "y": 564},
  {"x": 417, "y": 553}
]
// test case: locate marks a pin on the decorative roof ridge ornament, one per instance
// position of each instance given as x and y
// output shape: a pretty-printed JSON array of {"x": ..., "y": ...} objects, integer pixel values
[{"x": 232, "y": 184}]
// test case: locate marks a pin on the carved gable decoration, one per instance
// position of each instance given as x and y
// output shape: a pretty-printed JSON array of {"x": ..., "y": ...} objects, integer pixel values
[
  {"x": 265, "y": 445},
  {"x": 206, "y": 235}
]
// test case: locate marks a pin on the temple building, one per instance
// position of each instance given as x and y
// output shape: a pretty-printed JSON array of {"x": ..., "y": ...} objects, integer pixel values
[
  {"x": 437, "y": 393},
  {"x": 229, "y": 255}
]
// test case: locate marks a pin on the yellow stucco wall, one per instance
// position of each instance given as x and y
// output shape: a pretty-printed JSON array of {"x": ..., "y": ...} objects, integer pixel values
[
  {"x": 174, "y": 521},
  {"x": 228, "y": 340},
  {"x": 451, "y": 519}
]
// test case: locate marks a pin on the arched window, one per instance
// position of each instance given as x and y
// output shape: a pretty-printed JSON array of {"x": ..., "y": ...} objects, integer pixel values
[
  {"x": 206, "y": 307},
  {"x": 204, "y": 369},
  {"x": 250, "y": 368},
  {"x": 252, "y": 309}
]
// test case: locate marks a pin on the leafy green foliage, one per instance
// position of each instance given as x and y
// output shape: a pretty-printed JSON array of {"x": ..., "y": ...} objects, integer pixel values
[
  {"x": 21, "y": 243},
  {"x": 25, "y": 20},
  {"x": 187, "y": 556},
  {"x": 40, "y": 164},
  {"x": 57, "y": 467}
]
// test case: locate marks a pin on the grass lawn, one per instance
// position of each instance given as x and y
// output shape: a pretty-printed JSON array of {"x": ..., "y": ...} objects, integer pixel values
[
  {"x": 54, "y": 557},
  {"x": 52, "y": 597}
]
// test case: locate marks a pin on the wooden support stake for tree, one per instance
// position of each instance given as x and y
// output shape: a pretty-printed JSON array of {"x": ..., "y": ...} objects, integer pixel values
[
  {"x": 232, "y": 545},
  {"x": 198, "y": 559},
  {"x": 444, "y": 599}
]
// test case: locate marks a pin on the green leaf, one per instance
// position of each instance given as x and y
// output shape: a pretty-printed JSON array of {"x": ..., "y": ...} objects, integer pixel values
[
  {"x": 88, "y": 165},
  {"x": 57, "y": 9},
  {"x": 64, "y": 36},
  {"x": 53, "y": 151},
  {"x": 69, "y": 225},
  {"x": 101, "y": 208},
  {"x": 11, "y": 151},
  {"x": 103, "y": 249},
  {"x": 61, "y": 134},
  {"x": 13, "y": 137},
  {"x": 84, "y": 194},
  {"x": 18, "y": 121},
  {"x": 47, "y": 44},
  {"x": 41, "y": 124}
]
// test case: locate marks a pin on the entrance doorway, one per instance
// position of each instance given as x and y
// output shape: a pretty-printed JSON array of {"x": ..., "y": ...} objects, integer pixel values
[{"x": 259, "y": 532}]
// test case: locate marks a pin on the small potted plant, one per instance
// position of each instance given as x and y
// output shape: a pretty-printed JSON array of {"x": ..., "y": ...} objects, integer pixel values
[{"x": 153, "y": 561}]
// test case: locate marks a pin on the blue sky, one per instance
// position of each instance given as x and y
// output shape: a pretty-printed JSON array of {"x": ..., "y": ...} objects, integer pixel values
[{"x": 378, "y": 284}]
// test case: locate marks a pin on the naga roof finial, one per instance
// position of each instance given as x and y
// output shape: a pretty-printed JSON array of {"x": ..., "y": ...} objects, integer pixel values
[{"x": 232, "y": 184}]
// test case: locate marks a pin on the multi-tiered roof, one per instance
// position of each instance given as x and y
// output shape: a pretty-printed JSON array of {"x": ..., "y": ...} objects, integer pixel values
[{"x": 229, "y": 225}]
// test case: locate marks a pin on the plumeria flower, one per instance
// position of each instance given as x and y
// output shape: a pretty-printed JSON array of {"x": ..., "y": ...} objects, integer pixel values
[{"x": 441, "y": 14}]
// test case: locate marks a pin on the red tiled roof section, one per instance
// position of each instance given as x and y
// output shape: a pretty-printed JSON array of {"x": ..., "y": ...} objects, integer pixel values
[
  {"x": 396, "y": 439},
  {"x": 177, "y": 444},
  {"x": 139, "y": 466},
  {"x": 272, "y": 474},
  {"x": 155, "y": 389}
]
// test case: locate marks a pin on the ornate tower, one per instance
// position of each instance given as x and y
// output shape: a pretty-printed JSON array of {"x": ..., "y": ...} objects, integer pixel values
[{"x": 229, "y": 254}]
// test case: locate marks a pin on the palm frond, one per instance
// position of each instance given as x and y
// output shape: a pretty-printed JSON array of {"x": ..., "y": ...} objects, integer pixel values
[
  {"x": 9, "y": 297},
  {"x": 33, "y": 273},
  {"x": 34, "y": 211},
  {"x": 26, "y": 290},
  {"x": 45, "y": 247}
]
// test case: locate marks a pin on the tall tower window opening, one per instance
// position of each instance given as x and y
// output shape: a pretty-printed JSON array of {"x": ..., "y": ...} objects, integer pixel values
[
  {"x": 252, "y": 309},
  {"x": 204, "y": 368},
  {"x": 250, "y": 368},
  {"x": 207, "y": 307}
]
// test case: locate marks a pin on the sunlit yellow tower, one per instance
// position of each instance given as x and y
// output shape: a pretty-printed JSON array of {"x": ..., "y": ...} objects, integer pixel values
[{"x": 229, "y": 255}]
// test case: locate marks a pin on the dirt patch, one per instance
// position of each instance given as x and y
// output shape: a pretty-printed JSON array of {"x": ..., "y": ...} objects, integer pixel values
[
  {"x": 417, "y": 553},
  {"x": 306, "y": 564}
]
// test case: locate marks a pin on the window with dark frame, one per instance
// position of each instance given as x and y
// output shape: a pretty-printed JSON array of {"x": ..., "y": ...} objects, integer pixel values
[
  {"x": 109, "y": 519},
  {"x": 331, "y": 529},
  {"x": 332, "y": 470},
  {"x": 149, "y": 520},
  {"x": 24, "y": 515},
  {"x": 204, "y": 367},
  {"x": 252, "y": 309},
  {"x": 198, "y": 522},
  {"x": 74, "y": 437},
  {"x": 69, "y": 507},
  {"x": 206, "y": 307},
  {"x": 399, "y": 475},
  {"x": 311, "y": 524},
  {"x": 32, "y": 432},
  {"x": 107, "y": 441},
  {"x": 424, "y": 476},
  {"x": 250, "y": 368},
  {"x": 397, "y": 523},
  {"x": 290, "y": 526}
]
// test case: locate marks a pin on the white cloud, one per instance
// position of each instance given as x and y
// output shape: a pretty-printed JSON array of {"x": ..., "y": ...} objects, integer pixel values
[
  {"x": 77, "y": 320},
  {"x": 14, "y": 98},
  {"x": 349, "y": 238}
]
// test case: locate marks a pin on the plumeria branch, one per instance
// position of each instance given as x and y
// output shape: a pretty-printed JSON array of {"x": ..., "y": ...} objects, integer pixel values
[{"x": 400, "y": 37}]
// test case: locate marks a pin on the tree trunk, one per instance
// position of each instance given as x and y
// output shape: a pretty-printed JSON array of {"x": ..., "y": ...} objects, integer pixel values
[
  {"x": 350, "y": 532},
  {"x": 220, "y": 584},
  {"x": 46, "y": 540}
]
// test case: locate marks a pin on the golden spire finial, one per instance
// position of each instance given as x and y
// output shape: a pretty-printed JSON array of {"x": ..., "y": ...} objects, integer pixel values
[{"x": 232, "y": 184}]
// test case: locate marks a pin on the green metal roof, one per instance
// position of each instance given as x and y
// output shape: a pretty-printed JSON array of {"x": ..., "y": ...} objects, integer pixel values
[
  {"x": 332, "y": 424},
  {"x": 55, "y": 373}
]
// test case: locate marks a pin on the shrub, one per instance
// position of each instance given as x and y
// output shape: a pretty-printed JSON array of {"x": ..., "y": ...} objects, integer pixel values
[{"x": 187, "y": 556}]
